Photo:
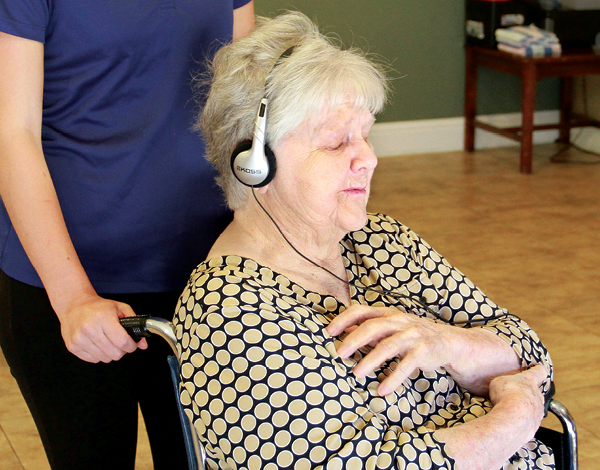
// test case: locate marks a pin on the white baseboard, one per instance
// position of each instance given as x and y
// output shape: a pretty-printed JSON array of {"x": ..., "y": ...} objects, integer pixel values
[{"x": 447, "y": 135}]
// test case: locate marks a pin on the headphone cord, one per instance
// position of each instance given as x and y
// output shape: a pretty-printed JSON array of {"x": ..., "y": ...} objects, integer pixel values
[{"x": 421, "y": 302}]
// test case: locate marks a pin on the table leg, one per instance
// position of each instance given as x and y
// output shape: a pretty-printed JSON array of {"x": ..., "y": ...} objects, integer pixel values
[
  {"x": 566, "y": 107},
  {"x": 528, "y": 82},
  {"x": 470, "y": 100}
]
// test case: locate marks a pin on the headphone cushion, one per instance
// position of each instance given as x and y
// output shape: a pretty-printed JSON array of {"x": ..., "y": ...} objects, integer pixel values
[{"x": 272, "y": 166}]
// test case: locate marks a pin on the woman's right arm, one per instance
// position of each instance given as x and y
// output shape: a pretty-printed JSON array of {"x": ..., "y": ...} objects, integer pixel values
[
  {"x": 490, "y": 440},
  {"x": 89, "y": 323}
]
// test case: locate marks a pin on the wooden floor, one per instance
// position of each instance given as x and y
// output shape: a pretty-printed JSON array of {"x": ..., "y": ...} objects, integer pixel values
[{"x": 530, "y": 242}]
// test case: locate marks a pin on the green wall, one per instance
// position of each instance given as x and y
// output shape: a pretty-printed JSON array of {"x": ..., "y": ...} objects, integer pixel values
[{"x": 423, "y": 41}]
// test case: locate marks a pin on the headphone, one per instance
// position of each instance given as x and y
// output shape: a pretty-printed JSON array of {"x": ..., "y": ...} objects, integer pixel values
[{"x": 252, "y": 161}]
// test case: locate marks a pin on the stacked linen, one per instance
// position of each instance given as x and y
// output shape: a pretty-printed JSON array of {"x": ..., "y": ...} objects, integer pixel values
[{"x": 528, "y": 41}]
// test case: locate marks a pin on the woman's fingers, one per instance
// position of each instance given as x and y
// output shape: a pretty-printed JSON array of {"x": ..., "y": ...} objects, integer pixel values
[
  {"x": 369, "y": 332},
  {"x": 386, "y": 349},
  {"x": 539, "y": 373},
  {"x": 365, "y": 325},
  {"x": 403, "y": 370},
  {"x": 410, "y": 357},
  {"x": 355, "y": 315},
  {"x": 523, "y": 387},
  {"x": 418, "y": 342}
]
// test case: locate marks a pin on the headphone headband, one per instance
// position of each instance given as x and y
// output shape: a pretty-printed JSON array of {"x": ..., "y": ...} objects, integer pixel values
[{"x": 253, "y": 162}]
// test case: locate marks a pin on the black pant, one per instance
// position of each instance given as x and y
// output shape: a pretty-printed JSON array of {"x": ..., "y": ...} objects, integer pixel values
[{"x": 86, "y": 414}]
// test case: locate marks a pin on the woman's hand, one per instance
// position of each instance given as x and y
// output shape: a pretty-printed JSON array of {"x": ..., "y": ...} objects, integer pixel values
[
  {"x": 521, "y": 389},
  {"x": 420, "y": 342},
  {"x": 490, "y": 440},
  {"x": 92, "y": 332},
  {"x": 472, "y": 356}
]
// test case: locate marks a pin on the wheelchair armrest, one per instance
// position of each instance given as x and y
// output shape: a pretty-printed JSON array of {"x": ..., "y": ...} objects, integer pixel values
[{"x": 569, "y": 430}]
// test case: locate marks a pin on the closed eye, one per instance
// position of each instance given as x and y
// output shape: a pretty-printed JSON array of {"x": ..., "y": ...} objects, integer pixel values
[{"x": 338, "y": 145}]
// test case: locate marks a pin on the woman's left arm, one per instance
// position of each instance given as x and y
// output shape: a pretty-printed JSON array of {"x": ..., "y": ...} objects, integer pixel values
[{"x": 243, "y": 20}]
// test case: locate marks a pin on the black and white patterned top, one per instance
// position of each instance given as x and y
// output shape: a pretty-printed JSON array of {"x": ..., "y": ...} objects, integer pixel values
[{"x": 265, "y": 389}]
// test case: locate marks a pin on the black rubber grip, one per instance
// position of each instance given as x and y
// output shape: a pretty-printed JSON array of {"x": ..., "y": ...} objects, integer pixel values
[{"x": 136, "y": 327}]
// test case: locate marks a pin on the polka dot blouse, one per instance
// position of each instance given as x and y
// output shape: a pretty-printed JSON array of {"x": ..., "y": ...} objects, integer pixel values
[{"x": 265, "y": 389}]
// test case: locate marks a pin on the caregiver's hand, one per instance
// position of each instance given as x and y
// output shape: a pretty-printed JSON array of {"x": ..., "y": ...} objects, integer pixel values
[
  {"x": 92, "y": 332},
  {"x": 420, "y": 342}
]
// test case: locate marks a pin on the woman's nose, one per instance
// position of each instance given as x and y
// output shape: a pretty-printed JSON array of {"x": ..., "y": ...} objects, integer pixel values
[{"x": 364, "y": 156}]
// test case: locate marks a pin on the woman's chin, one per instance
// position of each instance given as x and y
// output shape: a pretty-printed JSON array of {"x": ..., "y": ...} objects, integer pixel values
[{"x": 356, "y": 221}]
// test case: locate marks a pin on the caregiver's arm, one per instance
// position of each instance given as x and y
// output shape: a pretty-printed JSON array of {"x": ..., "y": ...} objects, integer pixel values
[
  {"x": 243, "y": 20},
  {"x": 89, "y": 323}
]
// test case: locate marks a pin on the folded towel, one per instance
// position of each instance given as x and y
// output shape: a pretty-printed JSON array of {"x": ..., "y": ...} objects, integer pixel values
[
  {"x": 535, "y": 50},
  {"x": 523, "y": 36}
]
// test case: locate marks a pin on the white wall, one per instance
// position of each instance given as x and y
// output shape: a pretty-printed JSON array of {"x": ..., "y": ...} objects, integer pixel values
[{"x": 446, "y": 135}]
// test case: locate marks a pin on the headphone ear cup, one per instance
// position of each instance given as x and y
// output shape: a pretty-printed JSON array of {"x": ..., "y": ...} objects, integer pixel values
[
  {"x": 269, "y": 155},
  {"x": 244, "y": 146}
]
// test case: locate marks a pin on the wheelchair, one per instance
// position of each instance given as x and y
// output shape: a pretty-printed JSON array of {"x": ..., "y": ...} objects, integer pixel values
[{"x": 563, "y": 444}]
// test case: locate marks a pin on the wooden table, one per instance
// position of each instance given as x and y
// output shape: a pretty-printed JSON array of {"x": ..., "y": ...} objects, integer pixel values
[{"x": 570, "y": 64}]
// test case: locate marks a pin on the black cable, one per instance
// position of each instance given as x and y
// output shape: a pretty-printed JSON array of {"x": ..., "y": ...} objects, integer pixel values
[{"x": 421, "y": 302}]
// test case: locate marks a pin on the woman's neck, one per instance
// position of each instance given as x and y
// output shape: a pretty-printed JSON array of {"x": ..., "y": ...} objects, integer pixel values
[{"x": 253, "y": 235}]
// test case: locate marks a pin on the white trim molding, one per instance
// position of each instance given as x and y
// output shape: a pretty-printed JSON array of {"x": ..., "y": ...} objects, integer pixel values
[{"x": 446, "y": 135}]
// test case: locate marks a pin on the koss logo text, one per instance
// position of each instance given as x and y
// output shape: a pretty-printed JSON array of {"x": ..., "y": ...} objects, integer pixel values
[{"x": 248, "y": 170}]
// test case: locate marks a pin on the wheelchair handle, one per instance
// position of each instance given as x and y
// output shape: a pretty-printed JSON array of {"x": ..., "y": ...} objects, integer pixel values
[{"x": 141, "y": 326}]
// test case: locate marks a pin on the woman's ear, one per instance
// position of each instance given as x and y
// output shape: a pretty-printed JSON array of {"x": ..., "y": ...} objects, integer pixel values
[{"x": 263, "y": 189}]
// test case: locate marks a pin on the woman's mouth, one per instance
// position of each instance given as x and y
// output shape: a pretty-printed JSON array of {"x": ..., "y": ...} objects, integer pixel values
[{"x": 359, "y": 191}]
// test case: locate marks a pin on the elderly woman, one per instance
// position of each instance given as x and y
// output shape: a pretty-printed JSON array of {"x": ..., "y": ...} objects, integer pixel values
[{"x": 316, "y": 335}]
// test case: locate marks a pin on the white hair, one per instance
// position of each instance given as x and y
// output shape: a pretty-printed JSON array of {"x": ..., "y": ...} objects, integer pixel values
[{"x": 317, "y": 73}]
